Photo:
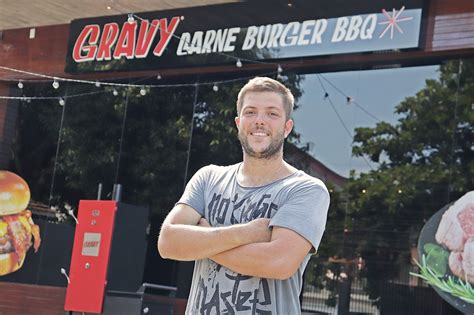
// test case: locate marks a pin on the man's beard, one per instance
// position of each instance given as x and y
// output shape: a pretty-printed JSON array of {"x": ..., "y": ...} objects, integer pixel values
[{"x": 272, "y": 150}]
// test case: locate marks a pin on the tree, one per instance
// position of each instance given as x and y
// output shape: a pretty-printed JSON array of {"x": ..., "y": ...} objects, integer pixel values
[{"x": 426, "y": 162}]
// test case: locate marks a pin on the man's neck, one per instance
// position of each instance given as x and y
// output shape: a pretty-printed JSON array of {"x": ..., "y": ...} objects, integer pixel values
[{"x": 258, "y": 172}]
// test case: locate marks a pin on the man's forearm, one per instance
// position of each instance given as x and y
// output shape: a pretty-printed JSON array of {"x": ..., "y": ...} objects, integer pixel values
[
  {"x": 191, "y": 242},
  {"x": 188, "y": 242},
  {"x": 257, "y": 259}
]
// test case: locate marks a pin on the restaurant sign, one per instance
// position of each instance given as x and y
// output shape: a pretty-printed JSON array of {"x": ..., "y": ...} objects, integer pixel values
[{"x": 258, "y": 31}]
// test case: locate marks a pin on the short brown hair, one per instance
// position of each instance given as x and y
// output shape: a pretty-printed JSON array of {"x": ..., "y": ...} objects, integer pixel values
[{"x": 265, "y": 84}]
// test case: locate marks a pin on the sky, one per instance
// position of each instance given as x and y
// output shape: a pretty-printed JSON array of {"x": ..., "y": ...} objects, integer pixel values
[{"x": 376, "y": 91}]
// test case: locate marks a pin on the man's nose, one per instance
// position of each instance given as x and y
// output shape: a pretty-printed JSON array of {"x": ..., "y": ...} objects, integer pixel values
[{"x": 260, "y": 118}]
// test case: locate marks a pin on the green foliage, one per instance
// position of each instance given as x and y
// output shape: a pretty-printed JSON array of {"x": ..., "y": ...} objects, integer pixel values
[{"x": 426, "y": 162}]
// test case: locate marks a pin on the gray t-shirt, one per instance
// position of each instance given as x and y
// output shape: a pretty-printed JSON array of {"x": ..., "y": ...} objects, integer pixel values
[{"x": 298, "y": 202}]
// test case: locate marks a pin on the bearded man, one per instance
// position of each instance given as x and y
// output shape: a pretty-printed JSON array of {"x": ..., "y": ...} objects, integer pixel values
[{"x": 251, "y": 227}]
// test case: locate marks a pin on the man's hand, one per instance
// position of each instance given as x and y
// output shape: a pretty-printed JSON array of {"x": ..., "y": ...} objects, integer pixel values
[{"x": 203, "y": 222}]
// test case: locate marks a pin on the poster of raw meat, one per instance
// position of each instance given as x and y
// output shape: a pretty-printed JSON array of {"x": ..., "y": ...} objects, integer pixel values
[
  {"x": 446, "y": 251},
  {"x": 17, "y": 229}
]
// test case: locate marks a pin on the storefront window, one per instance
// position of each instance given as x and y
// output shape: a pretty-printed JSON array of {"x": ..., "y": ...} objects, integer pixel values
[
  {"x": 393, "y": 146},
  {"x": 402, "y": 137}
]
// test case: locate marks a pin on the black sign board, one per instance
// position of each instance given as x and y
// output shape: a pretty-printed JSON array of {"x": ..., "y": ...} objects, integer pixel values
[{"x": 255, "y": 30}]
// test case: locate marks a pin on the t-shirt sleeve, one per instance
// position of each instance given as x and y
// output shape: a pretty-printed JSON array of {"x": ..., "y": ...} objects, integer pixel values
[
  {"x": 305, "y": 212},
  {"x": 194, "y": 193}
]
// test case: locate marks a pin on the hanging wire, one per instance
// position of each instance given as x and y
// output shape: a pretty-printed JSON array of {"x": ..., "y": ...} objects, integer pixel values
[
  {"x": 61, "y": 124},
  {"x": 196, "y": 91},
  {"x": 124, "y": 84},
  {"x": 24, "y": 98},
  {"x": 124, "y": 119},
  {"x": 349, "y": 97},
  {"x": 328, "y": 98}
]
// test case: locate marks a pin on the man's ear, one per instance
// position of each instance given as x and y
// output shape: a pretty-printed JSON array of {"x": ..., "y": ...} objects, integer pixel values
[
  {"x": 288, "y": 127},
  {"x": 237, "y": 121}
]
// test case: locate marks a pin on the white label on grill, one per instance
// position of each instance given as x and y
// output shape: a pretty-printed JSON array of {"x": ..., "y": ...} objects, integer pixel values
[{"x": 91, "y": 244}]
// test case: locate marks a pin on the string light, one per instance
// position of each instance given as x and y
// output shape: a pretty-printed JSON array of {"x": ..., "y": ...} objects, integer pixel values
[
  {"x": 114, "y": 92},
  {"x": 142, "y": 91},
  {"x": 158, "y": 76},
  {"x": 109, "y": 7},
  {"x": 55, "y": 84},
  {"x": 62, "y": 102},
  {"x": 97, "y": 83},
  {"x": 20, "y": 85},
  {"x": 238, "y": 64},
  {"x": 279, "y": 69},
  {"x": 130, "y": 18},
  {"x": 215, "y": 87}
]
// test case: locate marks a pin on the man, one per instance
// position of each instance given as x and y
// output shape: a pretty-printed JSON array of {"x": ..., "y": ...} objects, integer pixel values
[{"x": 250, "y": 227}]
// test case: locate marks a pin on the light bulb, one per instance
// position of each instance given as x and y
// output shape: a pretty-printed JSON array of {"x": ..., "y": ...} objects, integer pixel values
[
  {"x": 97, "y": 83},
  {"x": 215, "y": 88},
  {"x": 279, "y": 69},
  {"x": 62, "y": 102},
  {"x": 114, "y": 92},
  {"x": 20, "y": 85},
  {"x": 238, "y": 64},
  {"x": 55, "y": 84},
  {"x": 130, "y": 18},
  {"x": 158, "y": 76},
  {"x": 142, "y": 91}
]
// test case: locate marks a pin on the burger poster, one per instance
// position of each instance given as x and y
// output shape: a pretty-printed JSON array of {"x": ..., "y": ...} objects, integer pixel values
[
  {"x": 17, "y": 229},
  {"x": 446, "y": 248}
]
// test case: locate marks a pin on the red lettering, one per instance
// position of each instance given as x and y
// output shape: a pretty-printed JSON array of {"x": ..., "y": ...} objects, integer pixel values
[
  {"x": 145, "y": 38},
  {"x": 126, "y": 42},
  {"x": 91, "y": 244},
  {"x": 165, "y": 34},
  {"x": 91, "y": 31},
  {"x": 109, "y": 36}
]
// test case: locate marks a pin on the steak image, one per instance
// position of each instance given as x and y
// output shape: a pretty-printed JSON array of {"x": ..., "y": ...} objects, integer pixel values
[{"x": 456, "y": 233}]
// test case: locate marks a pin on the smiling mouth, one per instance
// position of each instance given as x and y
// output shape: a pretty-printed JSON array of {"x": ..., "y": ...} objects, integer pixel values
[{"x": 259, "y": 134}]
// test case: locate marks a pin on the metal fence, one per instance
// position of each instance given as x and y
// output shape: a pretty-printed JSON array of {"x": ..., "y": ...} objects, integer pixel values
[{"x": 341, "y": 288}]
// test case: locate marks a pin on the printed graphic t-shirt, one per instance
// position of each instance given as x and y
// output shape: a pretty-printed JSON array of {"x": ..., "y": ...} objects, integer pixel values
[{"x": 298, "y": 202}]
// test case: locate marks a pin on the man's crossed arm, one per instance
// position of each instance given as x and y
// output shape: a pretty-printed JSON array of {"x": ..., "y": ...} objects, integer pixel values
[{"x": 251, "y": 248}]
